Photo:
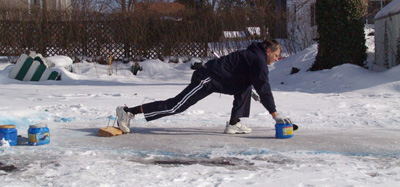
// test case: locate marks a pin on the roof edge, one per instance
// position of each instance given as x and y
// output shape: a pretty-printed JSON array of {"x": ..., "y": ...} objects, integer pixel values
[{"x": 386, "y": 16}]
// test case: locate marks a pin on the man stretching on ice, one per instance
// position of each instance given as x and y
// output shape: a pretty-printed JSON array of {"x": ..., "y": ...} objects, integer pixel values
[{"x": 233, "y": 74}]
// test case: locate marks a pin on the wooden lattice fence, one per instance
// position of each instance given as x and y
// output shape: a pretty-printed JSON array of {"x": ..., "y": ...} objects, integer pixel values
[{"x": 122, "y": 39}]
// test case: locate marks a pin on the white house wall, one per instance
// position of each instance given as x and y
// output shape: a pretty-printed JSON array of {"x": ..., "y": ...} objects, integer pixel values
[
  {"x": 59, "y": 4},
  {"x": 392, "y": 29},
  {"x": 300, "y": 30}
]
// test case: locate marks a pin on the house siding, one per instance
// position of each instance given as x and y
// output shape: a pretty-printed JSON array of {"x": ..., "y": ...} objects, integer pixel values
[{"x": 387, "y": 37}]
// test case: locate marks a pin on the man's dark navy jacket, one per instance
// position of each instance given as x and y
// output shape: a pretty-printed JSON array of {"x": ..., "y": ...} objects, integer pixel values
[{"x": 241, "y": 69}]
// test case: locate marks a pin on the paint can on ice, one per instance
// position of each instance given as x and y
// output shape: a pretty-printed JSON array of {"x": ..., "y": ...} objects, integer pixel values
[
  {"x": 38, "y": 134},
  {"x": 283, "y": 130},
  {"x": 9, "y": 134}
]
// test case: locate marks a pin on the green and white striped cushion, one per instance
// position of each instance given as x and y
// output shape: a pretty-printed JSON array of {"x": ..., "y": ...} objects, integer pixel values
[{"x": 28, "y": 68}]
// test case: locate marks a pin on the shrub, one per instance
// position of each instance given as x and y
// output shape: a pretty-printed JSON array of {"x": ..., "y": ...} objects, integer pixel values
[{"x": 341, "y": 33}]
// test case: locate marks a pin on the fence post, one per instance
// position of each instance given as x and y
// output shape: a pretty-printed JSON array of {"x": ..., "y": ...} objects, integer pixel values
[
  {"x": 43, "y": 29},
  {"x": 126, "y": 39}
]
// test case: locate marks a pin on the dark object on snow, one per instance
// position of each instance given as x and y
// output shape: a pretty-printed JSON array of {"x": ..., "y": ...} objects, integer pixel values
[
  {"x": 7, "y": 168},
  {"x": 295, "y": 127},
  {"x": 294, "y": 70},
  {"x": 219, "y": 161},
  {"x": 371, "y": 34},
  {"x": 136, "y": 68},
  {"x": 22, "y": 140},
  {"x": 196, "y": 65}
]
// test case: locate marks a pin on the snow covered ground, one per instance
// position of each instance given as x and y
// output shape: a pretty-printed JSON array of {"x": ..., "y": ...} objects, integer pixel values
[{"x": 349, "y": 135}]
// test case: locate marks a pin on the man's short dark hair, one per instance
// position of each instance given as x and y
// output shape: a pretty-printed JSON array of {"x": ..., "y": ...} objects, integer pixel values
[{"x": 272, "y": 44}]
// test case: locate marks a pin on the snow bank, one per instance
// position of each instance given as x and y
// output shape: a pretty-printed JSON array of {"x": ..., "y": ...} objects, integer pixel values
[{"x": 60, "y": 61}]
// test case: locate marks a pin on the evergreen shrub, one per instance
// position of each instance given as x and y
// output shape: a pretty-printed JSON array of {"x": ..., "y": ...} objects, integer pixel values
[{"x": 341, "y": 33}]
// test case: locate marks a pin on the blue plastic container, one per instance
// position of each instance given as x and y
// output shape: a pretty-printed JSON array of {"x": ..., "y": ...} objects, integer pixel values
[
  {"x": 38, "y": 134},
  {"x": 9, "y": 134},
  {"x": 283, "y": 130}
]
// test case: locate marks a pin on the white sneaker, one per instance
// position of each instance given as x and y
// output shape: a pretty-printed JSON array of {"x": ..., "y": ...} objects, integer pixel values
[
  {"x": 124, "y": 119},
  {"x": 238, "y": 128}
]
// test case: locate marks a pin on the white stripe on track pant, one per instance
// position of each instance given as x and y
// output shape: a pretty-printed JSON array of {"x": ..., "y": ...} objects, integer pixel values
[{"x": 194, "y": 92}]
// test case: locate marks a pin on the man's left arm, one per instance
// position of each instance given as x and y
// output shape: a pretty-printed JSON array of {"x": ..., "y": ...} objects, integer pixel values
[{"x": 260, "y": 81}]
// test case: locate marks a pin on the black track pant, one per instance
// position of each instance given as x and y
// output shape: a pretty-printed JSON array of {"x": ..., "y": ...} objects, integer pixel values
[{"x": 200, "y": 87}]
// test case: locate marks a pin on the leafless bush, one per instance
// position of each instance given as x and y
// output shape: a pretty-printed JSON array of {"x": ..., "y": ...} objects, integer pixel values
[{"x": 103, "y": 28}]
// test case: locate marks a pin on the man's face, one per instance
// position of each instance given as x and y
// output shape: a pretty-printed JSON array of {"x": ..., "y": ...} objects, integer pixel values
[{"x": 272, "y": 56}]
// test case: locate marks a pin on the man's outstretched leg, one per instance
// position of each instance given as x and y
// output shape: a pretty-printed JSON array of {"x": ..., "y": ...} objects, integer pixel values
[{"x": 195, "y": 91}]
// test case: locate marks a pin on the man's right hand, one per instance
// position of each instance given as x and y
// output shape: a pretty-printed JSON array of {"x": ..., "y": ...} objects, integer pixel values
[{"x": 283, "y": 120}]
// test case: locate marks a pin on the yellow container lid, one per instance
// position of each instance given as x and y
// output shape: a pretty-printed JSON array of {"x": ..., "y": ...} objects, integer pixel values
[{"x": 7, "y": 126}]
